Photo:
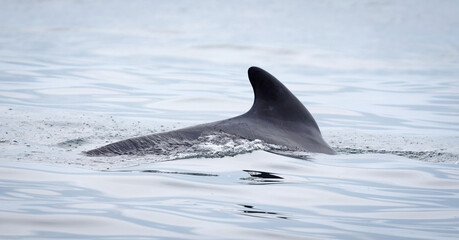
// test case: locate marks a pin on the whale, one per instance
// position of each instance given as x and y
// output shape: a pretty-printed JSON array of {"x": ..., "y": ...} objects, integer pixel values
[{"x": 276, "y": 117}]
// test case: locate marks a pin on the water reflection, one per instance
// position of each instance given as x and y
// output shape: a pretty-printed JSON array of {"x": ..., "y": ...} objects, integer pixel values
[
  {"x": 260, "y": 177},
  {"x": 166, "y": 172},
  {"x": 251, "y": 211}
]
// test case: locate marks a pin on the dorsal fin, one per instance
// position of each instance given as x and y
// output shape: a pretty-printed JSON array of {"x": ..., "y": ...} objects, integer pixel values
[{"x": 274, "y": 101}]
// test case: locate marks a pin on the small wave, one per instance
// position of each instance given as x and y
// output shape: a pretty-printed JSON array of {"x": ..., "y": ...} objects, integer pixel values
[
  {"x": 216, "y": 145},
  {"x": 72, "y": 143},
  {"x": 429, "y": 156},
  {"x": 222, "y": 144},
  {"x": 436, "y": 149},
  {"x": 219, "y": 145}
]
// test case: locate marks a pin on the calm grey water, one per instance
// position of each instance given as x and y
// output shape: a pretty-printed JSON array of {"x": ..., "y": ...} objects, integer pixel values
[{"x": 380, "y": 78}]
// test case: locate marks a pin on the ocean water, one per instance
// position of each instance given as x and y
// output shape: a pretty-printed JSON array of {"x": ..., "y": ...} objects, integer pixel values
[{"x": 381, "y": 79}]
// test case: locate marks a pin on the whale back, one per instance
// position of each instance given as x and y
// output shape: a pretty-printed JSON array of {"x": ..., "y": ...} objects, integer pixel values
[{"x": 276, "y": 117}]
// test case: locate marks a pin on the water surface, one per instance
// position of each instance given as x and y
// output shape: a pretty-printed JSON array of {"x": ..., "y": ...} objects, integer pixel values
[{"x": 380, "y": 78}]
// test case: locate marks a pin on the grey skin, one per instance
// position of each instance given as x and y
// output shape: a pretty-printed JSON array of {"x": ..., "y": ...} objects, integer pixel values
[{"x": 276, "y": 117}]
